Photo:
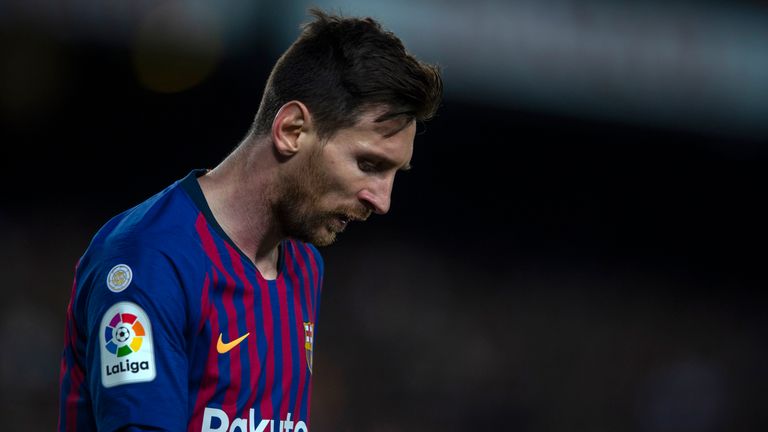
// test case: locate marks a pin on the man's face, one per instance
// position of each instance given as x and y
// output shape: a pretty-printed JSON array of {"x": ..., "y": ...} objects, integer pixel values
[{"x": 345, "y": 179}]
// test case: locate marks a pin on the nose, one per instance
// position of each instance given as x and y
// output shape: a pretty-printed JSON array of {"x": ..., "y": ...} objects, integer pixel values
[{"x": 377, "y": 195}]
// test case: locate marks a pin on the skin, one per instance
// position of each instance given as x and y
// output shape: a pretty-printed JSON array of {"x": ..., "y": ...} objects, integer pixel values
[{"x": 293, "y": 184}]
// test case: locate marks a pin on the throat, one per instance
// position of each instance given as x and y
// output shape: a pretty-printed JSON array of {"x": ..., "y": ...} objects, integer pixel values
[{"x": 269, "y": 264}]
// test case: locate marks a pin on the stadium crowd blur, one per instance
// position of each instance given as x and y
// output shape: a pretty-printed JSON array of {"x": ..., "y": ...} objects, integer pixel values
[{"x": 580, "y": 245}]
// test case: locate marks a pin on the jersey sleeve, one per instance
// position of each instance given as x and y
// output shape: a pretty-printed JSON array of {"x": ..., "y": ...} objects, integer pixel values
[{"x": 136, "y": 316}]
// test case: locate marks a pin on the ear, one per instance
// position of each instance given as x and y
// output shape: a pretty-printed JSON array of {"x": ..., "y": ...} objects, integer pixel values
[{"x": 291, "y": 120}]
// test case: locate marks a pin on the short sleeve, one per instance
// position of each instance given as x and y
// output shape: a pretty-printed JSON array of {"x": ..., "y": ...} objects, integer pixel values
[{"x": 136, "y": 318}]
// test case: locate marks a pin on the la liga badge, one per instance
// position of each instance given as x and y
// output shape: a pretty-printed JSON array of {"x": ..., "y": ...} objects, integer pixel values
[{"x": 127, "y": 349}]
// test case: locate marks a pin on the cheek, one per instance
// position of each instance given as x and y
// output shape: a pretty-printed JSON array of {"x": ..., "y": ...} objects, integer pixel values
[
  {"x": 338, "y": 179},
  {"x": 336, "y": 175}
]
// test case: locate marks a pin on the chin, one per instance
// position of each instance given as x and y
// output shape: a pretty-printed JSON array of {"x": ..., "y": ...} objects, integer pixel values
[
  {"x": 323, "y": 239},
  {"x": 320, "y": 237}
]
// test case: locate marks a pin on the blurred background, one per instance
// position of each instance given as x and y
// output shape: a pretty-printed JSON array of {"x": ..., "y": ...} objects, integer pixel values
[{"x": 580, "y": 245}]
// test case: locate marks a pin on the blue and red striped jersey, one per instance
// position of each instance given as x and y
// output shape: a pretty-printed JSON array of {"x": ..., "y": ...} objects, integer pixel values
[{"x": 170, "y": 326}]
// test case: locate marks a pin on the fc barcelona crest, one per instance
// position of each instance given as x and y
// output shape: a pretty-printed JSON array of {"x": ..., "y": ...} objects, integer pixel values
[{"x": 309, "y": 335}]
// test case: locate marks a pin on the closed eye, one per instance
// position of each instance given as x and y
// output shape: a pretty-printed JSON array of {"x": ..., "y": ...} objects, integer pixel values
[
  {"x": 376, "y": 164},
  {"x": 367, "y": 166}
]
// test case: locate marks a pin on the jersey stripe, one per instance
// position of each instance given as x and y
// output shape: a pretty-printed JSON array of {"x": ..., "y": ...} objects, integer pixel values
[
  {"x": 296, "y": 330},
  {"x": 309, "y": 283},
  {"x": 211, "y": 373},
  {"x": 211, "y": 381},
  {"x": 205, "y": 304},
  {"x": 266, "y": 392},
  {"x": 230, "y": 326},
  {"x": 228, "y": 364},
  {"x": 285, "y": 292},
  {"x": 300, "y": 313},
  {"x": 197, "y": 394},
  {"x": 277, "y": 350},
  {"x": 249, "y": 354},
  {"x": 245, "y": 322},
  {"x": 309, "y": 267},
  {"x": 260, "y": 341}
]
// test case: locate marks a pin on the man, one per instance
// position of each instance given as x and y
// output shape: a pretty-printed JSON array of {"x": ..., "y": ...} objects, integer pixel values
[{"x": 196, "y": 309}]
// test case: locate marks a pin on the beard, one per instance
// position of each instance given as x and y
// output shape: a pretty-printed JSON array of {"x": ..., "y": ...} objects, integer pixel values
[{"x": 298, "y": 208}]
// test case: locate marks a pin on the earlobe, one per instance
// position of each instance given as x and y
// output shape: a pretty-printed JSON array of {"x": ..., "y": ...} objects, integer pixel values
[{"x": 291, "y": 120}]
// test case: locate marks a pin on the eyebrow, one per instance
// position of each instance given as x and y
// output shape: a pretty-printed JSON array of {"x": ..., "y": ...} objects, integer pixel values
[{"x": 407, "y": 116}]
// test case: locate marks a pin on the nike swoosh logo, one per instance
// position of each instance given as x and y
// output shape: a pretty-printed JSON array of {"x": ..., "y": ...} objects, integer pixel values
[{"x": 224, "y": 348}]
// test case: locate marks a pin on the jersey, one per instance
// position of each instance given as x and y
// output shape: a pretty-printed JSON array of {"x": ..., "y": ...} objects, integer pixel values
[{"x": 170, "y": 326}]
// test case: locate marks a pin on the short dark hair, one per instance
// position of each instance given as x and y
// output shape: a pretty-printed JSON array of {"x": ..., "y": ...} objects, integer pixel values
[{"x": 339, "y": 67}]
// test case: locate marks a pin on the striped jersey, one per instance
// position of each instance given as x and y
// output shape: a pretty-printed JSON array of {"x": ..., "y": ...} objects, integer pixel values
[{"x": 171, "y": 327}]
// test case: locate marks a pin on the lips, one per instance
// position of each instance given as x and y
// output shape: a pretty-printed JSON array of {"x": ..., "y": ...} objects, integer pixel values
[
  {"x": 338, "y": 223},
  {"x": 341, "y": 220}
]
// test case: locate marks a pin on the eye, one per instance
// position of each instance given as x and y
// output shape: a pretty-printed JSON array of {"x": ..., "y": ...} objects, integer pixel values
[{"x": 366, "y": 166}]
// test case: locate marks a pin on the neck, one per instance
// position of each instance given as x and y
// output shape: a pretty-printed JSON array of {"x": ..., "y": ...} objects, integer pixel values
[{"x": 238, "y": 193}]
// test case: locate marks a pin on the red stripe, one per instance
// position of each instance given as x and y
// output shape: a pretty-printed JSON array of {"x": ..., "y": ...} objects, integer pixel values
[
  {"x": 269, "y": 357},
  {"x": 298, "y": 306},
  {"x": 229, "y": 405},
  {"x": 208, "y": 245},
  {"x": 211, "y": 371},
  {"x": 308, "y": 298},
  {"x": 282, "y": 292},
  {"x": 205, "y": 304},
  {"x": 251, "y": 340}
]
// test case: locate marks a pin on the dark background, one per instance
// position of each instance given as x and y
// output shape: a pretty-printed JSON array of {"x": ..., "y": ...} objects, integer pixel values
[{"x": 539, "y": 269}]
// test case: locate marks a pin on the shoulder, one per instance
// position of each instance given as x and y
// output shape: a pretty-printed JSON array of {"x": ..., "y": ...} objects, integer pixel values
[
  {"x": 163, "y": 224},
  {"x": 154, "y": 240},
  {"x": 168, "y": 215}
]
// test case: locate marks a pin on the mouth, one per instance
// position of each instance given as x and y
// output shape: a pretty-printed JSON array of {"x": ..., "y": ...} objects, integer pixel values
[
  {"x": 344, "y": 219},
  {"x": 341, "y": 220},
  {"x": 338, "y": 223}
]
